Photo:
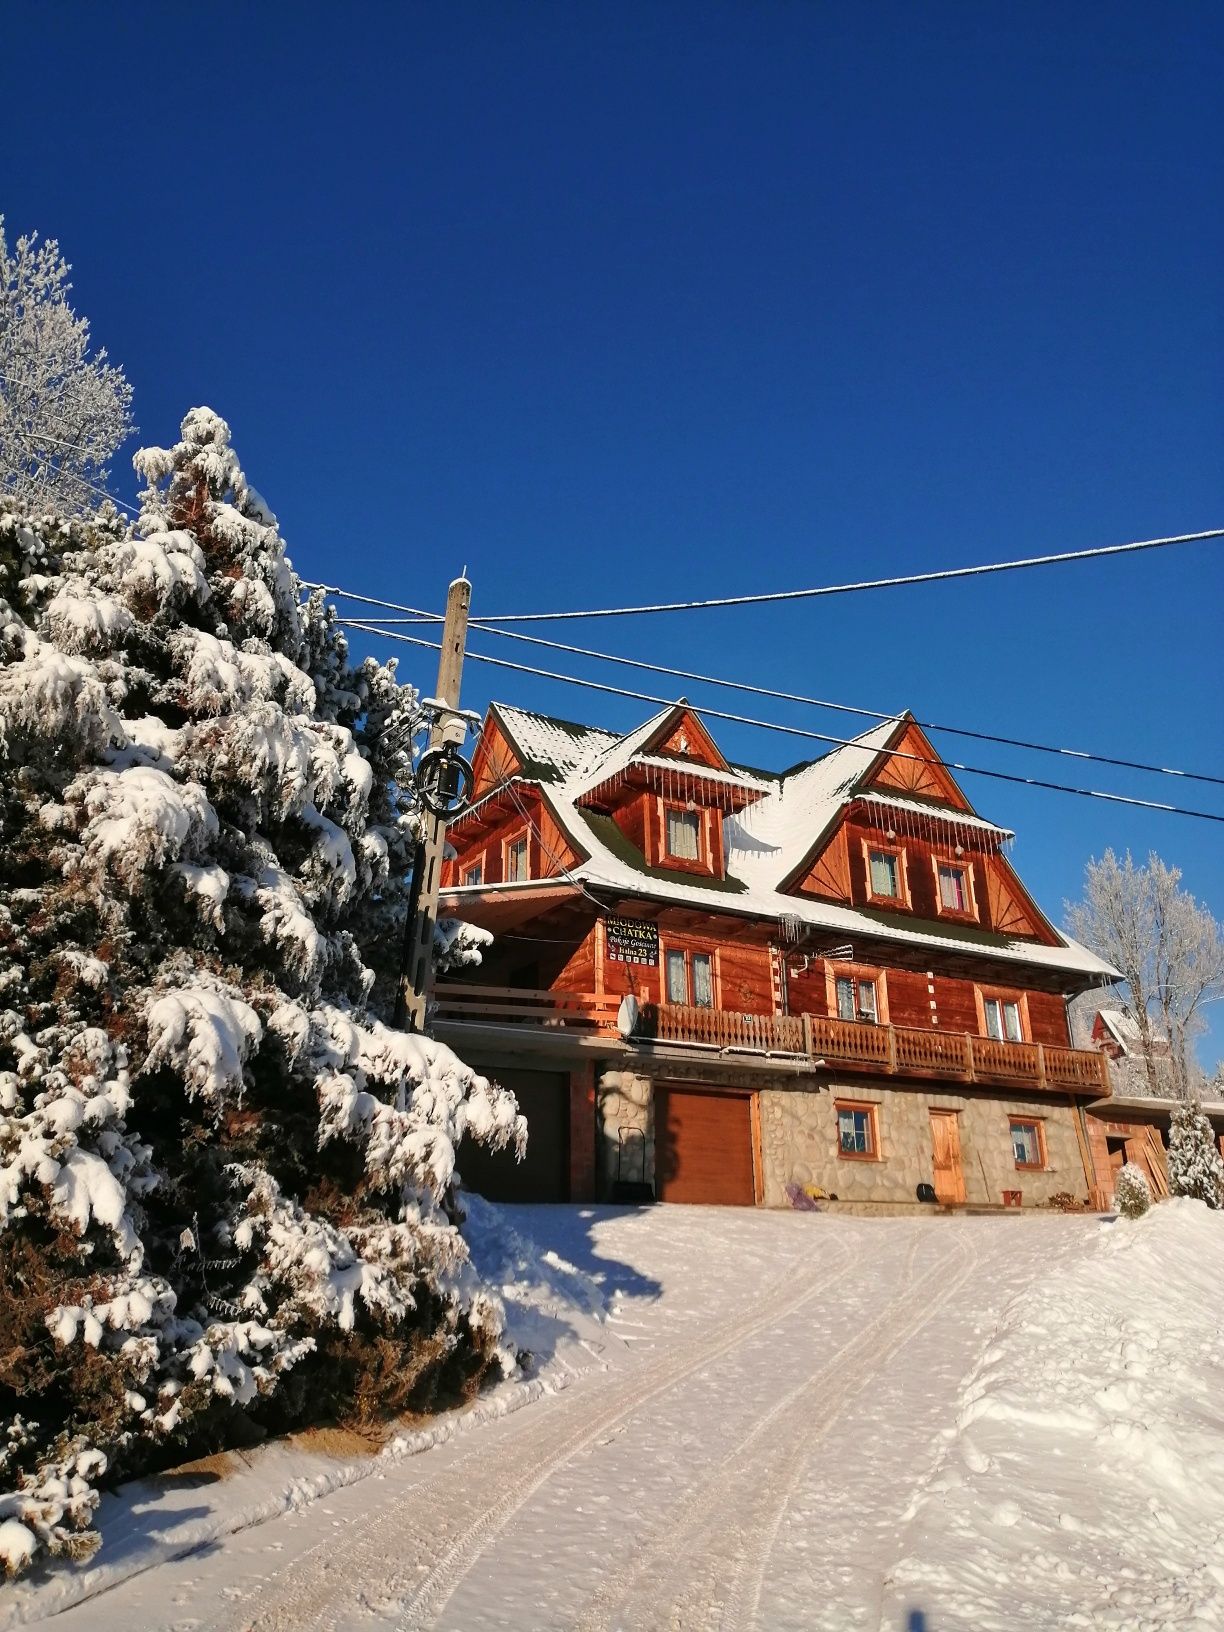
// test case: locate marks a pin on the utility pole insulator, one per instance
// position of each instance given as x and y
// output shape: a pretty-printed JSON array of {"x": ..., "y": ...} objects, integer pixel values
[{"x": 449, "y": 730}]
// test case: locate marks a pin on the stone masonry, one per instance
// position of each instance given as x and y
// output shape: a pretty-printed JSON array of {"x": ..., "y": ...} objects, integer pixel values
[
  {"x": 624, "y": 1107},
  {"x": 799, "y": 1145}
]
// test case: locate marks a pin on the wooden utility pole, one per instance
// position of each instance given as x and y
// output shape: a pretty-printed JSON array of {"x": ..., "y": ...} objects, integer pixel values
[{"x": 449, "y": 729}]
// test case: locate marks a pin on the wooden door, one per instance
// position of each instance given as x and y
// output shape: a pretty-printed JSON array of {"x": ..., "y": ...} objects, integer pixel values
[
  {"x": 946, "y": 1150},
  {"x": 704, "y": 1145}
]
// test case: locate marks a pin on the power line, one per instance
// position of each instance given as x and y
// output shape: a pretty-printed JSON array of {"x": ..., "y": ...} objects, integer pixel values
[
  {"x": 556, "y": 861},
  {"x": 789, "y": 730},
  {"x": 780, "y": 696},
  {"x": 73, "y": 476},
  {"x": 946, "y": 573}
]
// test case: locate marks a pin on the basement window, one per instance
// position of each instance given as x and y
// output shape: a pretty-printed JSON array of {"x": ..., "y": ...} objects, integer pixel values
[
  {"x": 856, "y": 1132},
  {"x": 1028, "y": 1145}
]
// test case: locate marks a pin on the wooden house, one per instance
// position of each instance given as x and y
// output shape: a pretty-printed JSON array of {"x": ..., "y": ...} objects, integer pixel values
[{"x": 720, "y": 984}]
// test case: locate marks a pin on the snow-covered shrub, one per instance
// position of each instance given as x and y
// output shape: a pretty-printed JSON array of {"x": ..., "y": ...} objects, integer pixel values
[
  {"x": 1132, "y": 1195},
  {"x": 1195, "y": 1166},
  {"x": 224, "y": 1182}
]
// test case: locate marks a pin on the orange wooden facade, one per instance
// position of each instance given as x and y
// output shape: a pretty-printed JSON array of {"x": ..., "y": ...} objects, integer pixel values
[{"x": 901, "y": 848}]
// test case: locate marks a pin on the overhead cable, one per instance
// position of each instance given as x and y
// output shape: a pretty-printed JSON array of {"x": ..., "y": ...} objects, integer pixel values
[
  {"x": 766, "y": 597},
  {"x": 419, "y": 616},
  {"x": 787, "y": 730}
]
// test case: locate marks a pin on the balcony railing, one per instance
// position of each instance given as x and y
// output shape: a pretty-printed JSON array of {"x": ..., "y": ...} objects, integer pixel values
[
  {"x": 518, "y": 1005},
  {"x": 849, "y": 1045}
]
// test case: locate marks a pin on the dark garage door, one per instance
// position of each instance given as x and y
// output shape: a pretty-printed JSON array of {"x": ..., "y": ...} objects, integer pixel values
[
  {"x": 703, "y": 1141},
  {"x": 543, "y": 1174}
]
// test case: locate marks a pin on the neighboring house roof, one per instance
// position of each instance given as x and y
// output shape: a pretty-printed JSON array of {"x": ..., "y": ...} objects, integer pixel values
[
  {"x": 1123, "y": 1028},
  {"x": 765, "y": 843}
]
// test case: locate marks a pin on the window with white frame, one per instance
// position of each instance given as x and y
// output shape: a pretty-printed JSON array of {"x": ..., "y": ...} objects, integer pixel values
[
  {"x": 474, "y": 874},
  {"x": 684, "y": 834},
  {"x": 516, "y": 860},
  {"x": 1003, "y": 1019}
]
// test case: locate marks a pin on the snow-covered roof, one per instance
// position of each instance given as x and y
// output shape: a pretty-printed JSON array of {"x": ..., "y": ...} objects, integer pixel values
[
  {"x": 765, "y": 844},
  {"x": 706, "y": 773},
  {"x": 558, "y": 746},
  {"x": 1123, "y": 1028},
  {"x": 918, "y": 807}
]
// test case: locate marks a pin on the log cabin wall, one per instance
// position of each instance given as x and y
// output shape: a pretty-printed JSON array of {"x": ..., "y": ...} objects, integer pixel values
[
  {"x": 548, "y": 852},
  {"x": 909, "y": 997},
  {"x": 840, "y": 873}
]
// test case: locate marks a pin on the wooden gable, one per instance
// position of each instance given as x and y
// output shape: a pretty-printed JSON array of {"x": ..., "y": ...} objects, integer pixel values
[
  {"x": 1012, "y": 909},
  {"x": 682, "y": 736},
  {"x": 922, "y": 775},
  {"x": 495, "y": 760},
  {"x": 828, "y": 873}
]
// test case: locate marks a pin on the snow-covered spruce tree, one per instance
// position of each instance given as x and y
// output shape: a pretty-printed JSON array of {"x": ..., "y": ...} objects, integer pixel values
[
  {"x": 1132, "y": 1196},
  {"x": 224, "y": 1182},
  {"x": 1195, "y": 1165}
]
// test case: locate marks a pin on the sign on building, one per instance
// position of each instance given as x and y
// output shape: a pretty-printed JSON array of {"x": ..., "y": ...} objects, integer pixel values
[{"x": 633, "y": 940}]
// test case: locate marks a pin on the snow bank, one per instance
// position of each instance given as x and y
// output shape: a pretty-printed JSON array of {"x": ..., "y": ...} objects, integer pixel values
[
  {"x": 553, "y": 1310},
  {"x": 1083, "y": 1485}
]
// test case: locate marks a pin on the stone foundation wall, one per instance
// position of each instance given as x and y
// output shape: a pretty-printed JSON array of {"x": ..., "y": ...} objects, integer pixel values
[
  {"x": 799, "y": 1145},
  {"x": 624, "y": 1100}
]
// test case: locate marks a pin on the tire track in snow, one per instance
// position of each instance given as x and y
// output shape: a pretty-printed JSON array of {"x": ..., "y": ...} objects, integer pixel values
[
  {"x": 435, "y": 1592},
  {"x": 361, "y": 1567},
  {"x": 743, "y": 1478},
  {"x": 752, "y": 1560}
]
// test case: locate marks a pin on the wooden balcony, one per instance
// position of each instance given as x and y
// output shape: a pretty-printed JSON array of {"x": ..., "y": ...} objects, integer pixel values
[
  {"x": 913, "y": 1052},
  {"x": 525, "y": 1006}
]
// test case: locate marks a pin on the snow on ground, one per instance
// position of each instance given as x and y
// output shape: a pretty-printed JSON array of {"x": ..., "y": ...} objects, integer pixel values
[
  {"x": 743, "y": 1419},
  {"x": 1085, "y": 1476}
]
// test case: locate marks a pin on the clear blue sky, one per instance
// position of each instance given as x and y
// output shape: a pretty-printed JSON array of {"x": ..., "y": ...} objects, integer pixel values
[{"x": 649, "y": 300}]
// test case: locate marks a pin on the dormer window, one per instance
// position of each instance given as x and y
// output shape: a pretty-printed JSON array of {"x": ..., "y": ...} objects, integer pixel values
[
  {"x": 887, "y": 873},
  {"x": 954, "y": 894},
  {"x": 683, "y": 834}
]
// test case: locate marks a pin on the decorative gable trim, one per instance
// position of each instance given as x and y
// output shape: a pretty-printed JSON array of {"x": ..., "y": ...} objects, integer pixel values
[
  {"x": 683, "y": 736},
  {"x": 495, "y": 760},
  {"x": 924, "y": 776},
  {"x": 829, "y": 873},
  {"x": 1012, "y": 909}
]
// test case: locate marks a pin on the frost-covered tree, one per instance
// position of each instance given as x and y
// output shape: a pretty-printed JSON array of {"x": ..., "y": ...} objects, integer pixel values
[
  {"x": 1195, "y": 1166},
  {"x": 224, "y": 1180},
  {"x": 1132, "y": 1194},
  {"x": 1169, "y": 950},
  {"x": 63, "y": 412}
]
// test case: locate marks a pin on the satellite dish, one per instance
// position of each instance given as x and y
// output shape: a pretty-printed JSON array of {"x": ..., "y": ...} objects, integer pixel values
[{"x": 627, "y": 1016}]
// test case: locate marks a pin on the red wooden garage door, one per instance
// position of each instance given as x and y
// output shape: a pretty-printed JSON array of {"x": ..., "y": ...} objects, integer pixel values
[{"x": 703, "y": 1145}]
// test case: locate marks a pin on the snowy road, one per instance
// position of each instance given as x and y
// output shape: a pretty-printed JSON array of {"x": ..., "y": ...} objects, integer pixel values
[{"x": 739, "y": 1444}]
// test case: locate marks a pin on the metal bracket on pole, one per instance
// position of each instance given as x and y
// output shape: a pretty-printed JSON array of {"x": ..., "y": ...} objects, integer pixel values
[{"x": 447, "y": 783}]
